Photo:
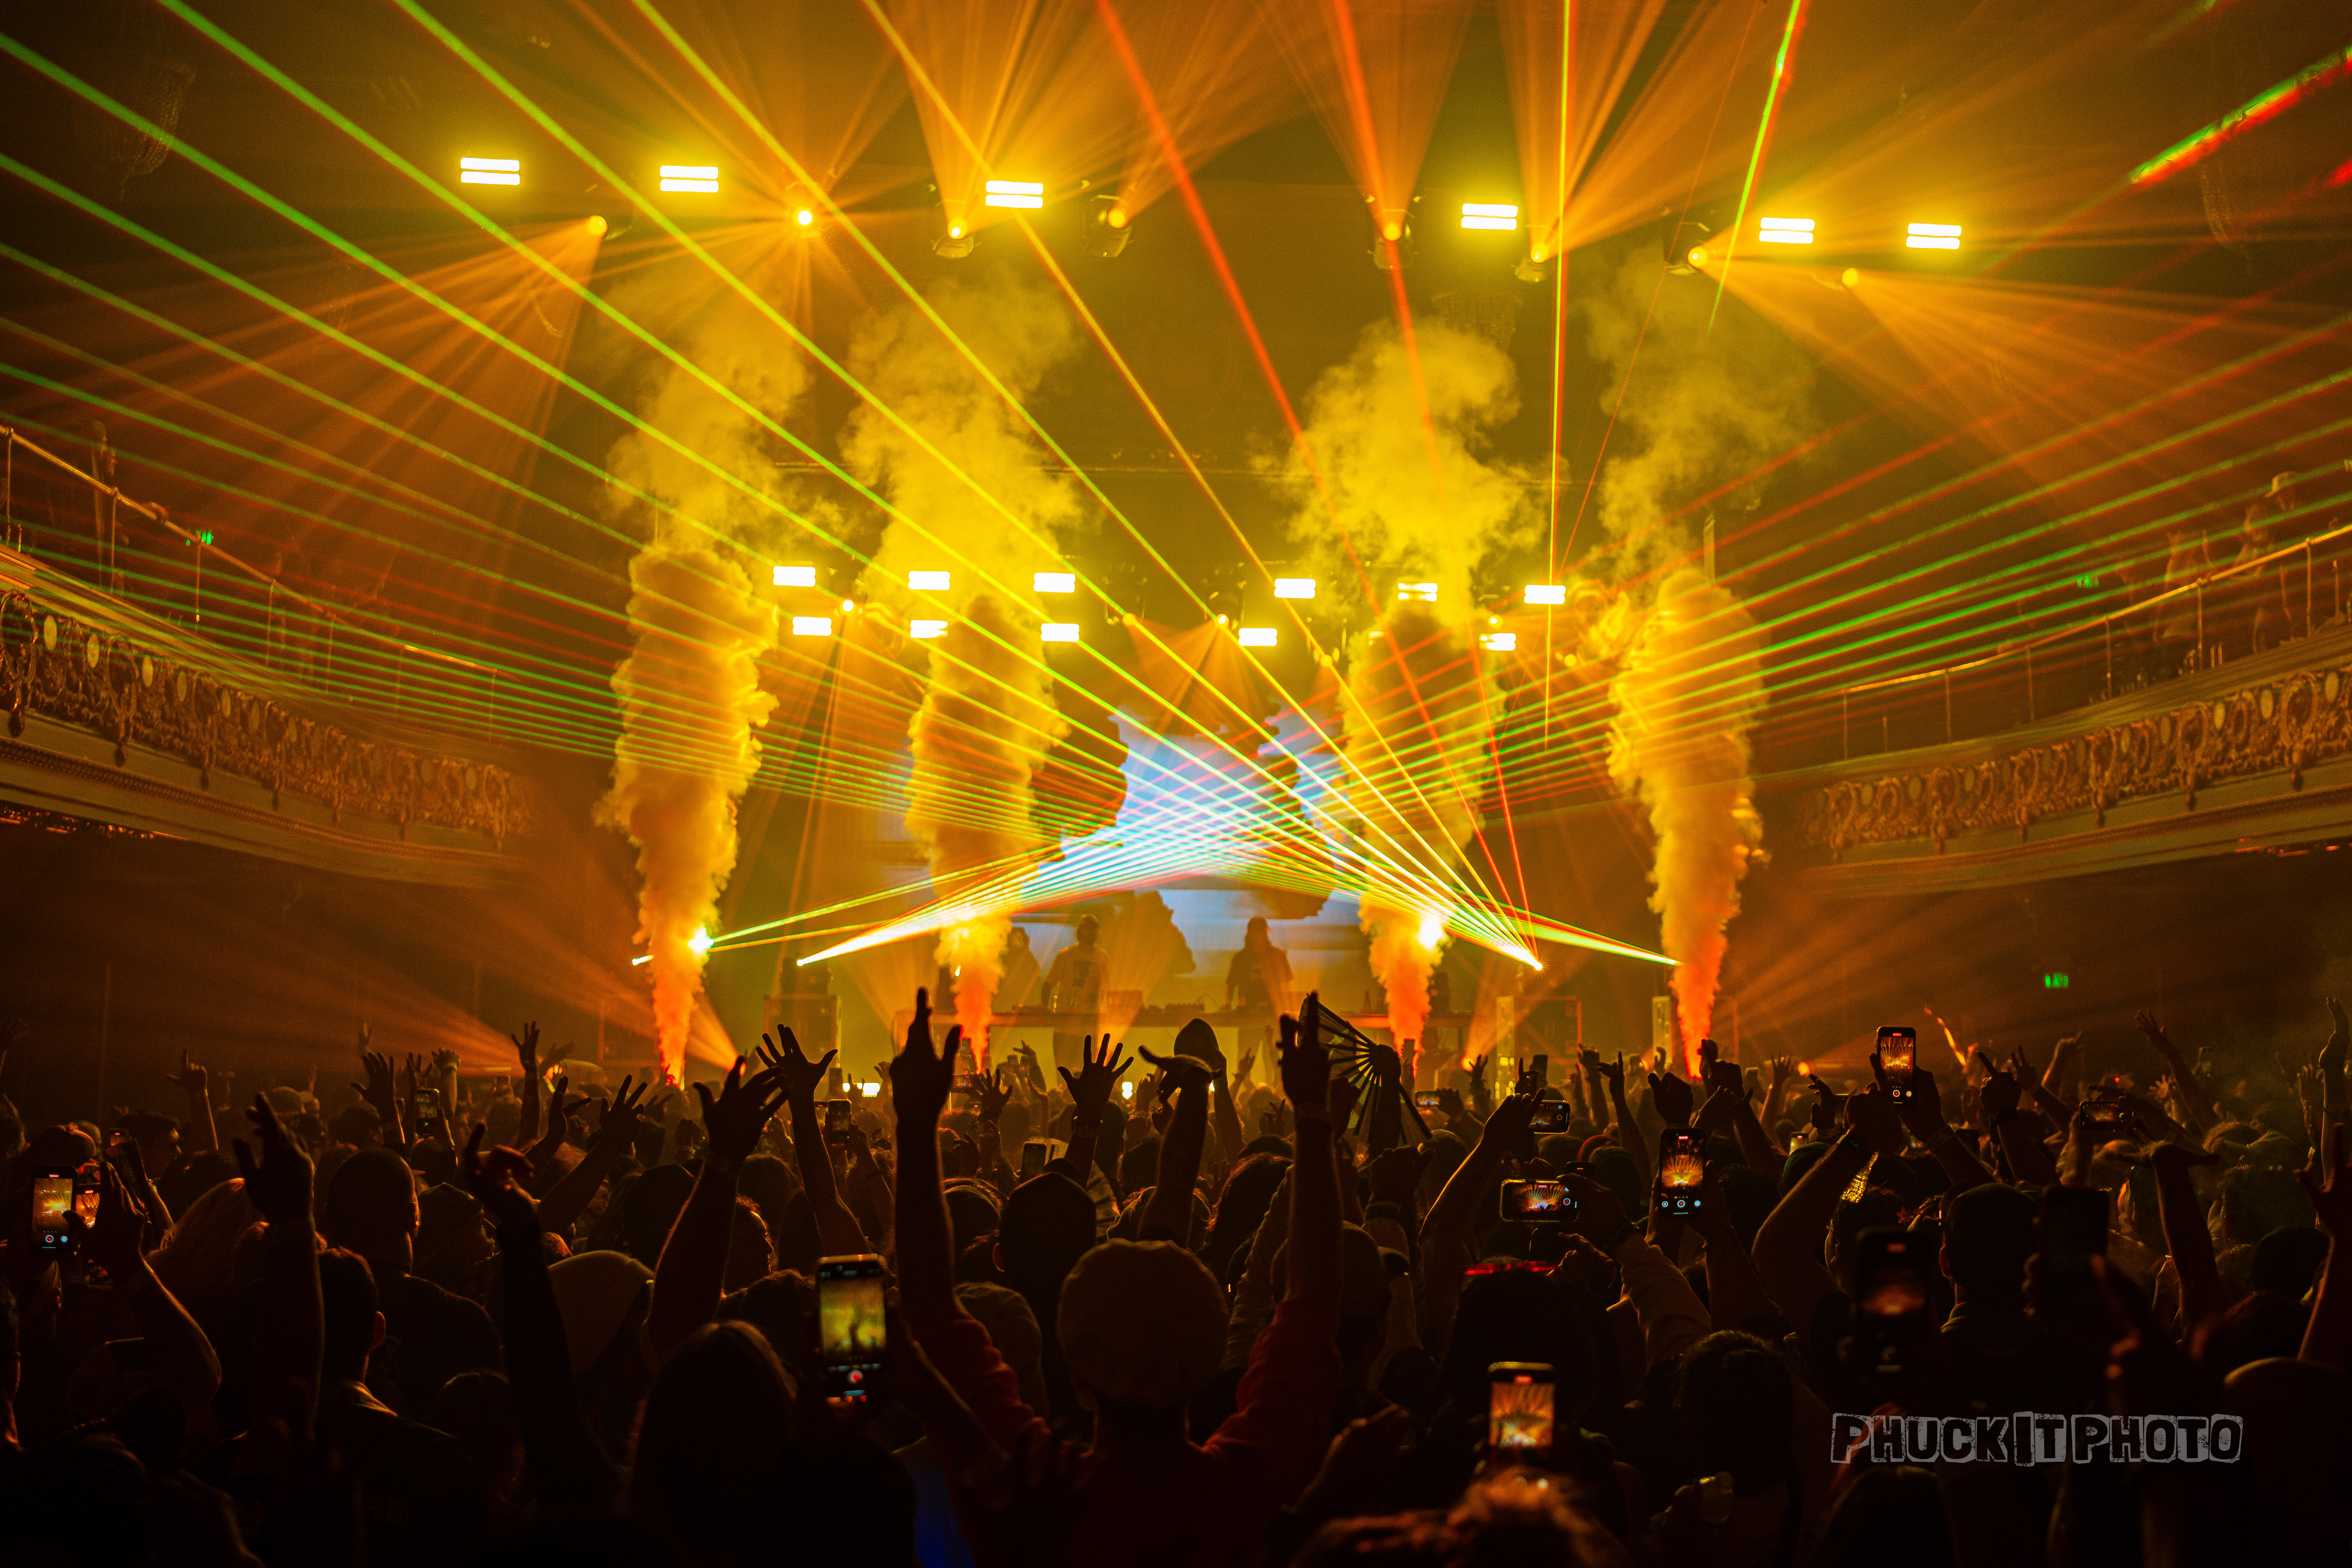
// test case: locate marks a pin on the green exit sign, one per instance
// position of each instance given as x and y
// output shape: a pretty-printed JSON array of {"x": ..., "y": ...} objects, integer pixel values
[{"x": 2056, "y": 980}]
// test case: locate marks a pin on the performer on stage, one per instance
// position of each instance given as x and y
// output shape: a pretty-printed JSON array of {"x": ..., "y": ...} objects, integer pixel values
[
  {"x": 1258, "y": 980},
  {"x": 1020, "y": 982},
  {"x": 1075, "y": 984}
]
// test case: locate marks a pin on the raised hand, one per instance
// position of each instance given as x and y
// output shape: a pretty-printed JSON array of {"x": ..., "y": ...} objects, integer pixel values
[
  {"x": 799, "y": 1077},
  {"x": 526, "y": 1047},
  {"x": 920, "y": 1077},
  {"x": 2155, "y": 1034},
  {"x": 1673, "y": 1097},
  {"x": 1179, "y": 1072},
  {"x": 1782, "y": 1070},
  {"x": 2339, "y": 1039},
  {"x": 380, "y": 1092},
  {"x": 618, "y": 1118},
  {"x": 735, "y": 1118},
  {"x": 1722, "y": 1108},
  {"x": 1305, "y": 1066},
  {"x": 560, "y": 1110},
  {"x": 996, "y": 1092},
  {"x": 1998, "y": 1094},
  {"x": 2328, "y": 1184},
  {"x": 1610, "y": 1073},
  {"x": 495, "y": 1177},
  {"x": 190, "y": 1079},
  {"x": 1099, "y": 1074},
  {"x": 278, "y": 1178}
]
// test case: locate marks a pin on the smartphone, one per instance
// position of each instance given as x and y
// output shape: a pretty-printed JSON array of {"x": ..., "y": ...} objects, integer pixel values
[
  {"x": 2102, "y": 1119},
  {"x": 53, "y": 1203},
  {"x": 837, "y": 1121},
  {"x": 967, "y": 1084},
  {"x": 1538, "y": 1203},
  {"x": 1032, "y": 1158},
  {"x": 1898, "y": 1053},
  {"x": 1682, "y": 1166},
  {"x": 1891, "y": 1295},
  {"x": 427, "y": 1106},
  {"x": 2073, "y": 1230},
  {"x": 1520, "y": 1396},
  {"x": 851, "y": 1335},
  {"x": 1428, "y": 1099},
  {"x": 1550, "y": 1116}
]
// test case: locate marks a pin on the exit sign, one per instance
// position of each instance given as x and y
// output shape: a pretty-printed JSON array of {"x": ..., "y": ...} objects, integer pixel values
[{"x": 2056, "y": 980}]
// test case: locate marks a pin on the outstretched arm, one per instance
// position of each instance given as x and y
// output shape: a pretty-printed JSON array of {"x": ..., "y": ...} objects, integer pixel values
[
  {"x": 203, "y": 1134},
  {"x": 290, "y": 1331},
  {"x": 920, "y": 1079},
  {"x": 1169, "y": 1216},
  {"x": 1314, "y": 1268},
  {"x": 1789, "y": 1262},
  {"x": 2196, "y": 1105},
  {"x": 691, "y": 1275},
  {"x": 1099, "y": 1073},
  {"x": 837, "y": 1229}
]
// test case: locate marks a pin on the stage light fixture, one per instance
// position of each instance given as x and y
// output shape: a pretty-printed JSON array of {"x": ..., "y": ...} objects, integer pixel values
[
  {"x": 1058, "y": 631},
  {"x": 1850, "y": 276},
  {"x": 1785, "y": 230},
  {"x": 927, "y": 629},
  {"x": 1547, "y": 594},
  {"x": 1392, "y": 246},
  {"x": 1294, "y": 587},
  {"x": 812, "y": 626},
  {"x": 1109, "y": 226},
  {"x": 1500, "y": 642},
  {"x": 597, "y": 228},
  {"x": 1258, "y": 636},
  {"x": 871, "y": 1088},
  {"x": 1697, "y": 258},
  {"x": 1424, "y": 592},
  {"x": 1028, "y": 194},
  {"x": 702, "y": 177},
  {"x": 795, "y": 577},
  {"x": 1498, "y": 216},
  {"x": 489, "y": 170},
  {"x": 700, "y": 941},
  {"x": 928, "y": 582},
  {"x": 1055, "y": 582},
  {"x": 1933, "y": 237}
]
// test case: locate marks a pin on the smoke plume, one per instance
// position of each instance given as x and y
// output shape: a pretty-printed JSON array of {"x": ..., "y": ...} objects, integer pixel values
[
  {"x": 1688, "y": 694},
  {"x": 1406, "y": 498},
  {"x": 987, "y": 720}
]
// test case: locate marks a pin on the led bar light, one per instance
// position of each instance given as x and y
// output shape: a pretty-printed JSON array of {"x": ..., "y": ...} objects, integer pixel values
[
  {"x": 1015, "y": 194},
  {"x": 928, "y": 582},
  {"x": 1547, "y": 594},
  {"x": 1258, "y": 636},
  {"x": 703, "y": 177},
  {"x": 1489, "y": 214},
  {"x": 1294, "y": 587},
  {"x": 927, "y": 629},
  {"x": 1058, "y": 631},
  {"x": 1425, "y": 591},
  {"x": 1055, "y": 582},
  {"x": 1933, "y": 237},
  {"x": 812, "y": 626},
  {"x": 795, "y": 577},
  {"x": 1500, "y": 642},
  {"x": 1785, "y": 230},
  {"x": 489, "y": 170}
]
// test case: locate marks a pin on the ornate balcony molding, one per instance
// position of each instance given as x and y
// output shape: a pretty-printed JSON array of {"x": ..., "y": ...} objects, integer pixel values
[{"x": 2261, "y": 749}]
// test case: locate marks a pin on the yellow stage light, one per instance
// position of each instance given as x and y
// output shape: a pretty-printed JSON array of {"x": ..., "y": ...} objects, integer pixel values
[
  {"x": 1933, "y": 237},
  {"x": 1117, "y": 217},
  {"x": 812, "y": 626},
  {"x": 1698, "y": 255},
  {"x": 1432, "y": 927},
  {"x": 1058, "y": 631},
  {"x": 928, "y": 582},
  {"x": 1424, "y": 592},
  {"x": 1258, "y": 636},
  {"x": 804, "y": 217},
  {"x": 927, "y": 629},
  {"x": 489, "y": 170},
  {"x": 1785, "y": 230},
  {"x": 597, "y": 228},
  {"x": 1489, "y": 214},
  {"x": 1012, "y": 193},
  {"x": 1500, "y": 642},
  {"x": 700, "y": 941},
  {"x": 1055, "y": 582},
  {"x": 702, "y": 177},
  {"x": 1294, "y": 587},
  {"x": 795, "y": 577},
  {"x": 1850, "y": 276},
  {"x": 1547, "y": 594}
]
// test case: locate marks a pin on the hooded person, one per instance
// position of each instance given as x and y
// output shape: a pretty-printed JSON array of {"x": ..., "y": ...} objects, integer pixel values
[{"x": 603, "y": 1297}]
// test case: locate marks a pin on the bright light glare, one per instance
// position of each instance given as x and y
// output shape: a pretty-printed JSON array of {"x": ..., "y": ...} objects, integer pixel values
[
  {"x": 1015, "y": 194},
  {"x": 703, "y": 177},
  {"x": 804, "y": 217},
  {"x": 871, "y": 1088},
  {"x": 927, "y": 628},
  {"x": 795, "y": 576},
  {"x": 1547, "y": 594},
  {"x": 489, "y": 170},
  {"x": 1698, "y": 255},
  {"x": 1058, "y": 631},
  {"x": 1489, "y": 214},
  {"x": 1933, "y": 237},
  {"x": 1500, "y": 642},
  {"x": 1425, "y": 591},
  {"x": 928, "y": 582},
  {"x": 1127, "y": 1092},
  {"x": 1786, "y": 230},
  {"x": 1294, "y": 587},
  {"x": 1432, "y": 927},
  {"x": 812, "y": 626},
  {"x": 1055, "y": 582},
  {"x": 700, "y": 941},
  {"x": 1258, "y": 637}
]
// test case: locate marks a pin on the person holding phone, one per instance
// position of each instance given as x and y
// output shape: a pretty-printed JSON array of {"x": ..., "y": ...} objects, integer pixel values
[{"x": 1142, "y": 1327}]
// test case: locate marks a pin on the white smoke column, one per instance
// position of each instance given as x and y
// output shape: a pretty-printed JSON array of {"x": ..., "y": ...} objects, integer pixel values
[
  {"x": 690, "y": 698},
  {"x": 689, "y": 688},
  {"x": 1418, "y": 728},
  {"x": 1687, "y": 696},
  {"x": 988, "y": 718}
]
